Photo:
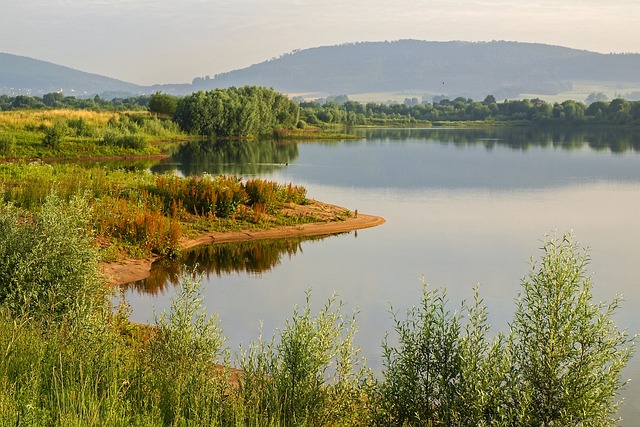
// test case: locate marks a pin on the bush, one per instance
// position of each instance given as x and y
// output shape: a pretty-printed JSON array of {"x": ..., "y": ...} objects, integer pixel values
[
  {"x": 81, "y": 127},
  {"x": 124, "y": 139},
  {"x": 186, "y": 386},
  {"x": 560, "y": 364},
  {"x": 568, "y": 354},
  {"x": 311, "y": 377},
  {"x": 7, "y": 145},
  {"x": 49, "y": 267},
  {"x": 53, "y": 135}
]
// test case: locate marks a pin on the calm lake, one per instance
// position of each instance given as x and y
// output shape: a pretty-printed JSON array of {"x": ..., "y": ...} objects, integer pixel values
[{"x": 463, "y": 207}]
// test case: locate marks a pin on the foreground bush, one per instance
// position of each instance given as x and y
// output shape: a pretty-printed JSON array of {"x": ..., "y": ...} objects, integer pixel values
[
  {"x": 311, "y": 376},
  {"x": 68, "y": 359},
  {"x": 48, "y": 267},
  {"x": 559, "y": 365}
]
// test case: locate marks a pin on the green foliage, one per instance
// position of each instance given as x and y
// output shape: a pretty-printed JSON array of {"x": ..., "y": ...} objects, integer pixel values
[
  {"x": 236, "y": 112},
  {"x": 440, "y": 372},
  {"x": 163, "y": 103},
  {"x": 523, "y": 111},
  {"x": 82, "y": 128},
  {"x": 49, "y": 267},
  {"x": 53, "y": 135},
  {"x": 310, "y": 377},
  {"x": 7, "y": 145},
  {"x": 185, "y": 385},
  {"x": 568, "y": 353},
  {"x": 560, "y": 364}
]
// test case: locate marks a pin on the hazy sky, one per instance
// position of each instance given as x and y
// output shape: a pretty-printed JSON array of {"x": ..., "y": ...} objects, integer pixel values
[{"x": 172, "y": 41}]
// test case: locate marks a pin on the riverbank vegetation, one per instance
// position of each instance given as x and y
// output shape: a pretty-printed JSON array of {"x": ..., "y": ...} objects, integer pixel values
[
  {"x": 69, "y": 359},
  {"x": 134, "y": 213}
]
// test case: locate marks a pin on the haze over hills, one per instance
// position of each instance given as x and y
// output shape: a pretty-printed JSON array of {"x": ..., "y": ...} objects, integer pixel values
[
  {"x": 469, "y": 69},
  {"x": 20, "y": 75}
]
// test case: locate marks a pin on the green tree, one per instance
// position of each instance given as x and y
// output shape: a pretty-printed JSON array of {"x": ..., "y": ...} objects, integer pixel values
[
  {"x": 52, "y": 99},
  {"x": 162, "y": 103}
]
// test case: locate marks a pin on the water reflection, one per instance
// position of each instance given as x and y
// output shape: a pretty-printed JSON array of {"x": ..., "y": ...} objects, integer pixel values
[
  {"x": 616, "y": 140},
  {"x": 251, "y": 257},
  {"x": 229, "y": 157}
]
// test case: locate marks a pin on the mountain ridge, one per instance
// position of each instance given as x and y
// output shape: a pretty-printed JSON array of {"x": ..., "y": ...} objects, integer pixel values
[{"x": 504, "y": 69}]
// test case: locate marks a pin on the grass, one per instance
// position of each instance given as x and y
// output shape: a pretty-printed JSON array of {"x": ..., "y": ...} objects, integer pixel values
[{"x": 77, "y": 133}]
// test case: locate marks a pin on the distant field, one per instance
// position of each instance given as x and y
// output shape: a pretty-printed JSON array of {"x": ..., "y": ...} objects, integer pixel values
[
  {"x": 582, "y": 90},
  {"x": 579, "y": 93}
]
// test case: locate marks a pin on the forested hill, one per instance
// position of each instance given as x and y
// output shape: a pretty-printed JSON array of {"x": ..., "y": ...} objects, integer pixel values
[
  {"x": 22, "y": 75},
  {"x": 504, "y": 69},
  {"x": 507, "y": 70}
]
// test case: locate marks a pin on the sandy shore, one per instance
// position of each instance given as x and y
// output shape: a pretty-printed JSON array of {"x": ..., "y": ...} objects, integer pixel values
[{"x": 137, "y": 269}]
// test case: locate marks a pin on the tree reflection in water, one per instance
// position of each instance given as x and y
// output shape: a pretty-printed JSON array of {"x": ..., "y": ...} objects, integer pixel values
[{"x": 252, "y": 257}]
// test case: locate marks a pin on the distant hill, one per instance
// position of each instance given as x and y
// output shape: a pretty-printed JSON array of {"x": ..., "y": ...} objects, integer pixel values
[
  {"x": 20, "y": 75},
  {"x": 504, "y": 69},
  {"x": 470, "y": 69}
]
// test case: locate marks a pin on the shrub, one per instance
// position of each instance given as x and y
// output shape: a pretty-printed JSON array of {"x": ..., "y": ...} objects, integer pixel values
[
  {"x": 311, "y": 377},
  {"x": 53, "y": 135},
  {"x": 49, "y": 267},
  {"x": 81, "y": 127},
  {"x": 182, "y": 357},
  {"x": 442, "y": 371},
  {"x": 124, "y": 139},
  {"x": 568, "y": 354},
  {"x": 560, "y": 364},
  {"x": 7, "y": 145}
]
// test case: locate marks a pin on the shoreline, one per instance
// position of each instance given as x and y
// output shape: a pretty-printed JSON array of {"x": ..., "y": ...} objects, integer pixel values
[{"x": 129, "y": 270}]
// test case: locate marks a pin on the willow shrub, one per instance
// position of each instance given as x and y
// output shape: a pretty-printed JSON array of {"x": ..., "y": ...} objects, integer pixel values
[
  {"x": 559, "y": 365},
  {"x": 49, "y": 267},
  {"x": 568, "y": 354},
  {"x": 312, "y": 376},
  {"x": 183, "y": 380}
]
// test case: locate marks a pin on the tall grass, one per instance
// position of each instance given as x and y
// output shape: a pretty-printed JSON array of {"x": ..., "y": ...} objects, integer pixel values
[{"x": 75, "y": 133}]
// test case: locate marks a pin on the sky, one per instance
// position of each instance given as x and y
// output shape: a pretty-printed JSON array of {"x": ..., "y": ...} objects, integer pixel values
[{"x": 172, "y": 41}]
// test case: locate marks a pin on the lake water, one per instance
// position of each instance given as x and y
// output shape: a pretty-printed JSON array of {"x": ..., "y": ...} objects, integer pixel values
[{"x": 463, "y": 207}]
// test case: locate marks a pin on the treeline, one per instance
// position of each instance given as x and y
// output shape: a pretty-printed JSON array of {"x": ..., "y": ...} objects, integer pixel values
[
  {"x": 56, "y": 100},
  {"x": 535, "y": 111},
  {"x": 251, "y": 111}
]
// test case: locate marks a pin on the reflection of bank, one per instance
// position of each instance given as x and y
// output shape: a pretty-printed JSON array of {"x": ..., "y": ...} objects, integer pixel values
[
  {"x": 252, "y": 257},
  {"x": 229, "y": 157}
]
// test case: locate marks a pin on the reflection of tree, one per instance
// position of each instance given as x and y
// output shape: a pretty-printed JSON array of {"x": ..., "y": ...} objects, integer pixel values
[
  {"x": 617, "y": 140},
  {"x": 229, "y": 157},
  {"x": 252, "y": 257}
]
